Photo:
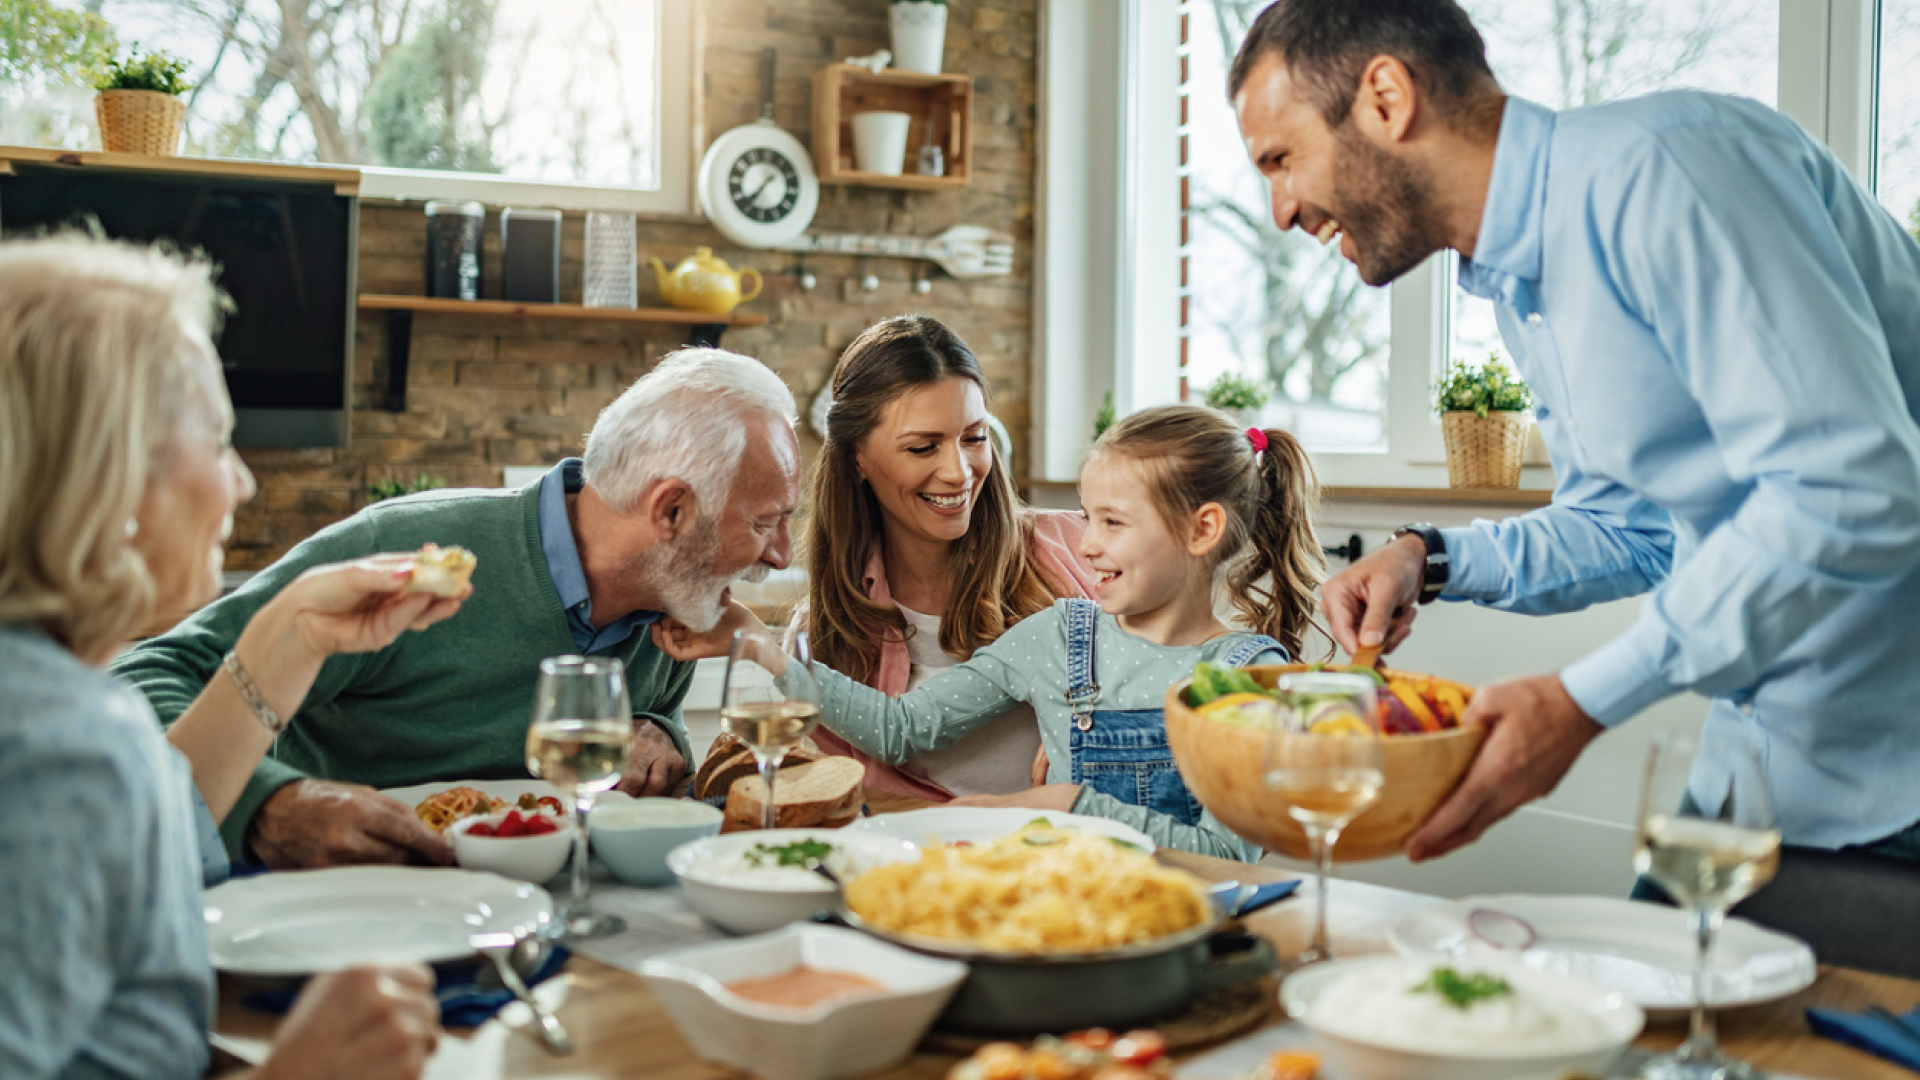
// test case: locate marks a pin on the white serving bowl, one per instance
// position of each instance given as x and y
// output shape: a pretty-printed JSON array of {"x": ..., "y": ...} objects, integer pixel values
[
  {"x": 633, "y": 836},
  {"x": 1358, "y": 1059},
  {"x": 835, "y": 1039},
  {"x": 743, "y": 906},
  {"x": 523, "y": 858}
]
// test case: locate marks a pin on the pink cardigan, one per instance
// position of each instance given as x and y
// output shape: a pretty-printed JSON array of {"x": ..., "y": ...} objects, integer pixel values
[{"x": 1056, "y": 549}]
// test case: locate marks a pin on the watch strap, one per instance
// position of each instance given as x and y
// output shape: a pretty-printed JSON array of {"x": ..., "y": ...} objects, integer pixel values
[{"x": 1438, "y": 566}]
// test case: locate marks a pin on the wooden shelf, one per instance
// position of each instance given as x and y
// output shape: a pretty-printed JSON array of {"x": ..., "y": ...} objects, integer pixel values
[
  {"x": 707, "y": 327},
  {"x": 527, "y": 310},
  {"x": 345, "y": 179},
  {"x": 942, "y": 103}
]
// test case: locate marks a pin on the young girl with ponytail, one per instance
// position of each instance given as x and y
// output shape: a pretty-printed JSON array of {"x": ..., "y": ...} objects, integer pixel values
[{"x": 1176, "y": 498}]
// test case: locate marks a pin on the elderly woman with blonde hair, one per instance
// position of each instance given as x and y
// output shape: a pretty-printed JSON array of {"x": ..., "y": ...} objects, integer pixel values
[{"x": 117, "y": 492}]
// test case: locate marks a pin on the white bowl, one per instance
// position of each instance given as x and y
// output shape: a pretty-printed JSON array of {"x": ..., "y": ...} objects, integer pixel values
[
  {"x": 1380, "y": 1058},
  {"x": 630, "y": 836},
  {"x": 523, "y": 858},
  {"x": 751, "y": 902},
  {"x": 823, "y": 1042}
]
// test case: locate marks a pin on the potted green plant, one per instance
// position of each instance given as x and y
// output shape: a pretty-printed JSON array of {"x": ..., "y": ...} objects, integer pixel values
[
  {"x": 918, "y": 29},
  {"x": 1239, "y": 397},
  {"x": 1485, "y": 417},
  {"x": 138, "y": 104}
]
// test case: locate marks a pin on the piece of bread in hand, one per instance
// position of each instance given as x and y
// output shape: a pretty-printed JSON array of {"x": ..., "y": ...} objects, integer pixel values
[
  {"x": 823, "y": 794},
  {"x": 729, "y": 759},
  {"x": 441, "y": 571}
]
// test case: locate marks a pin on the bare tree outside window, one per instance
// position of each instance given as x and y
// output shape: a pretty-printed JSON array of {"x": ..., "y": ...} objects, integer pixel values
[{"x": 550, "y": 90}]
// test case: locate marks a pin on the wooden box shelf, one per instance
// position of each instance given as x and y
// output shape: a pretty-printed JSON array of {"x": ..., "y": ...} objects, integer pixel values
[{"x": 941, "y": 107}]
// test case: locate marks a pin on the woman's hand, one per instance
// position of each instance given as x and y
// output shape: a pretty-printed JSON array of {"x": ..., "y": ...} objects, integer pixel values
[
  {"x": 1059, "y": 797},
  {"x": 359, "y": 606},
  {"x": 678, "y": 640},
  {"x": 364, "y": 1023}
]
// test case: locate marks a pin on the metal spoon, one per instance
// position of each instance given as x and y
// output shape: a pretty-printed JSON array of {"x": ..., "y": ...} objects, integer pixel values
[{"x": 500, "y": 948}]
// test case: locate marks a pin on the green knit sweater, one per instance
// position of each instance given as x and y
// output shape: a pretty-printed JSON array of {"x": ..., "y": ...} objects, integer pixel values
[{"x": 448, "y": 703}]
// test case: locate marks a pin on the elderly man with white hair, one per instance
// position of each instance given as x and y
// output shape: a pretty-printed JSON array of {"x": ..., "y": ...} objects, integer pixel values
[{"x": 687, "y": 485}]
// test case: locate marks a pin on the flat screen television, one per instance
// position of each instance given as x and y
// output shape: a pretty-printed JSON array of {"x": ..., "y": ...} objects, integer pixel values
[{"x": 286, "y": 252}]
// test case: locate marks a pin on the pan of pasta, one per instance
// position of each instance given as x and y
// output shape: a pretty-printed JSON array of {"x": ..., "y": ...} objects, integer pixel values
[{"x": 1062, "y": 930}]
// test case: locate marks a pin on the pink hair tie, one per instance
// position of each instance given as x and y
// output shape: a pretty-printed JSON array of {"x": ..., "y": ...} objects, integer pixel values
[{"x": 1258, "y": 438}]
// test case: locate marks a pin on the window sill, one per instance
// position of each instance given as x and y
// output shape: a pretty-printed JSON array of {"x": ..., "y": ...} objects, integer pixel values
[{"x": 1528, "y": 497}]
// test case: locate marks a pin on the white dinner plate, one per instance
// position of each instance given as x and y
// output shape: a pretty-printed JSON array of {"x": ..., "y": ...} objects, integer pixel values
[
  {"x": 1643, "y": 950},
  {"x": 297, "y": 922},
  {"x": 982, "y": 824}
]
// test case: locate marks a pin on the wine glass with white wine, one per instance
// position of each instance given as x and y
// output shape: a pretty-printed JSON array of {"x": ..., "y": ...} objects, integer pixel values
[
  {"x": 770, "y": 701},
  {"x": 580, "y": 739},
  {"x": 1706, "y": 864},
  {"x": 1325, "y": 765}
]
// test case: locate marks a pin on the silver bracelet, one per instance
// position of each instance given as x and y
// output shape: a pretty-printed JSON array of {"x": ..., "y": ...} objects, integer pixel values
[{"x": 251, "y": 693}]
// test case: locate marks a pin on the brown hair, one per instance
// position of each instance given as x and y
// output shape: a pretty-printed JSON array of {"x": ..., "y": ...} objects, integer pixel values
[
  {"x": 995, "y": 582},
  {"x": 1193, "y": 456}
]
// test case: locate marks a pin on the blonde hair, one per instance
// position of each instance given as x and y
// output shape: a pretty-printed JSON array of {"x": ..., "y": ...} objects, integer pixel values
[
  {"x": 1192, "y": 456},
  {"x": 995, "y": 581},
  {"x": 99, "y": 346}
]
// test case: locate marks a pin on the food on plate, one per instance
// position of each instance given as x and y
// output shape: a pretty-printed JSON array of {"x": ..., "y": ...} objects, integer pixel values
[
  {"x": 651, "y": 814},
  {"x": 442, "y": 809},
  {"x": 1444, "y": 1010},
  {"x": 515, "y": 824},
  {"x": 1099, "y": 1054},
  {"x": 784, "y": 867},
  {"x": 803, "y": 987},
  {"x": 729, "y": 759},
  {"x": 441, "y": 571},
  {"x": 1409, "y": 704},
  {"x": 823, "y": 794},
  {"x": 1040, "y": 890}
]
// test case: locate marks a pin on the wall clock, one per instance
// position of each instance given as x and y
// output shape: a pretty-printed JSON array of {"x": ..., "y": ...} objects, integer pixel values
[{"x": 756, "y": 182}]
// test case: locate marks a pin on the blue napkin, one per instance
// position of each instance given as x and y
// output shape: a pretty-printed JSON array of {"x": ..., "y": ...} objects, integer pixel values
[
  {"x": 462, "y": 1003},
  {"x": 1869, "y": 1033}
]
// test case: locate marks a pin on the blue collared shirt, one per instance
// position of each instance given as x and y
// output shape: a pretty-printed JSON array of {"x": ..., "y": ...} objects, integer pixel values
[
  {"x": 563, "y": 563},
  {"x": 1722, "y": 333}
]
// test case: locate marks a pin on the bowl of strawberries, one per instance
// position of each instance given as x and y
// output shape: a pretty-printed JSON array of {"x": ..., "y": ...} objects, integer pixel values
[{"x": 527, "y": 845}]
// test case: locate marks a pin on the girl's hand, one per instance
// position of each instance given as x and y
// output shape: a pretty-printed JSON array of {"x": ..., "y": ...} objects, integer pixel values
[
  {"x": 1059, "y": 797},
  {"x": 676, "y": 639},
  {"x": 354, "y": 607}
]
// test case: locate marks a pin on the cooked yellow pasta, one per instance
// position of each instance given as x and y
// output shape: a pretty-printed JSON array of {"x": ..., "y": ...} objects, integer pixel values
[
  {"x": 440, "y": 810},
  {"x": 1037, "y": 891}
]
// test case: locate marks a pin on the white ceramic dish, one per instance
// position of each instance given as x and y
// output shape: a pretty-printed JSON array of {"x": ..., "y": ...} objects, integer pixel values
[
  {"x": 979, "y": 825},
  {"x": 301, "y": 921},
  {"x": 708, "y": 871},
  {"x": 1645, "y": 951},
  {"x": 1353, "y": 1059},
  {"x": 523, "y": 858},
  {"x": 824, "y": 1042},
  {"x": 630, "y": 838}
]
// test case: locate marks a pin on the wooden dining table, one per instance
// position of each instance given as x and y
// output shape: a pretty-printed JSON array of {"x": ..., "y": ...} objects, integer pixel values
[{"x": 621, "y": 1029}]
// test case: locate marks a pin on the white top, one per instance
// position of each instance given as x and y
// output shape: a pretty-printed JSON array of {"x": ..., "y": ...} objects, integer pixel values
[{"x": 995, "y": 760}]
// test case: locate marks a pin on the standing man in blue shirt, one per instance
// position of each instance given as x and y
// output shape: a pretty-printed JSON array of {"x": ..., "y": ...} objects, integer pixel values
[{"x": 1722, "y": 333}]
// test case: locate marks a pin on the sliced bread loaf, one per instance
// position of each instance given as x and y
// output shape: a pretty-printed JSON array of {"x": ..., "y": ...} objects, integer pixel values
[
  {"x": 818, "y": 794},
  {"x": 729, "y": 760}
]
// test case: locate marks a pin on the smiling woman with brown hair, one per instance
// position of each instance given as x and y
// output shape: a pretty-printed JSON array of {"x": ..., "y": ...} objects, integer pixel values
[{"x": 919, "y": 551}]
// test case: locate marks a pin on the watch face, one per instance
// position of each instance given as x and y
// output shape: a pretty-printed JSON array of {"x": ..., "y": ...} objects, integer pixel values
[{"x": 763, "y": 184}]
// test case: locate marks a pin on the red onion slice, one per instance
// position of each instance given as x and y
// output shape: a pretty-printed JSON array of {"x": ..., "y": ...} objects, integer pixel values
[{"x": 1501, "y": 930}]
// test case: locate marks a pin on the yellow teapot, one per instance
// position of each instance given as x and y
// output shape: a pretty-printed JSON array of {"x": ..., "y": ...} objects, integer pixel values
[{"x": 704, "y": 283}]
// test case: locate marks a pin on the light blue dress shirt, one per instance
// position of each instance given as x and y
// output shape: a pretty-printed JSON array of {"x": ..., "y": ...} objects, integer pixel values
[
  {"x": 103, "y": 946},
  {"x": 1722, "y": 333},
  {"x": 563, "y": 563}
]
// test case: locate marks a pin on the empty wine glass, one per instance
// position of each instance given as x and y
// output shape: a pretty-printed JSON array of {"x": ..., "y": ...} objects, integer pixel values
[
  {"x": 580, "y": 739},
  {"x": 1325, "y": 765},
  {"x": 769, "y": 705},
  {"x": 1706, "y": 865}
]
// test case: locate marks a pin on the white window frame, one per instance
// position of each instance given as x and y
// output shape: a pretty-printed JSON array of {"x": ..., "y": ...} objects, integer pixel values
[
  {"x": 681, "y": 36},
  {"x": 1106, "y": 283}
]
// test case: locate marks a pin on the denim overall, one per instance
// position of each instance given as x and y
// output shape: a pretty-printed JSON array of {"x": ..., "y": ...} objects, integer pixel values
[{"x": 1124, "y": 752}]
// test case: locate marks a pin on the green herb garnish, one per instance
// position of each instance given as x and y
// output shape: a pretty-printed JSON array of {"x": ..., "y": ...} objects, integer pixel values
[
  {"x": 1128, "y": 844},
  {"x": 801, "y": 853},
  {"x": 1461, "y": 991}
]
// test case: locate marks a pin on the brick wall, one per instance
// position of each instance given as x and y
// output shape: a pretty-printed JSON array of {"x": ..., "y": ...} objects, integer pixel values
[{"x": 487, "y": 393}]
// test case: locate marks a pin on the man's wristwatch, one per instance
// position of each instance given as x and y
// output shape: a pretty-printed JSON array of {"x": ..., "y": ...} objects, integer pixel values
[{"x": 1433, "y": 577}]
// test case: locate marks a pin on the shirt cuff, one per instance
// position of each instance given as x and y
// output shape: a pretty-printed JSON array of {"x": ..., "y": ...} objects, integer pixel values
[
  {"x": 268, "y": 777},
  {"x": 1475, "y": 568},
  {"x": 1615, "y": 682}
]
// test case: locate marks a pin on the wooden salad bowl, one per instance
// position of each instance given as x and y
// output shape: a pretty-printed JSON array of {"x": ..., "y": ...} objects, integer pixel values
[{"x": 1224, "y": 765}]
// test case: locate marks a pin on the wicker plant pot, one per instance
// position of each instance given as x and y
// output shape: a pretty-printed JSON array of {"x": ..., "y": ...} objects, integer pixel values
[
  {"x": 140, "y": 121},
  {"x": 1485, "y": 451}
]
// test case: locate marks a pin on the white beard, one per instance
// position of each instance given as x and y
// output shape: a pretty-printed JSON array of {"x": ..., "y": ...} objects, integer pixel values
[{"x": 681, "y": 575}]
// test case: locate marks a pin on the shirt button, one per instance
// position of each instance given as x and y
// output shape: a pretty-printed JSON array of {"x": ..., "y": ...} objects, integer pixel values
[
  {"x": 1535, "y": 319},
  {"x": 1747, "y": 709}
]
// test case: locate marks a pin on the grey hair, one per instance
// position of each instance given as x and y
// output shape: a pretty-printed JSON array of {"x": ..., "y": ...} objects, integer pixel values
[{"x": 684, "y": 420}]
